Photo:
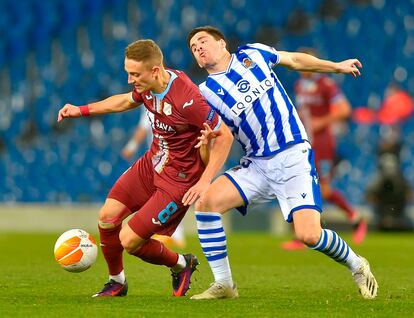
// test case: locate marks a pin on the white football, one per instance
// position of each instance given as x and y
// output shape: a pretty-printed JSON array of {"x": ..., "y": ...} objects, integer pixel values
[{"x": 75, "y": 250}]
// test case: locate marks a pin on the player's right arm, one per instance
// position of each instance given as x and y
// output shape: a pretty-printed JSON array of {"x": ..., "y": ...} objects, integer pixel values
[
  {"x": 304, "y": 62},
  {"x": 113, "y": 104},
  {"x": 307, "y": 63}
]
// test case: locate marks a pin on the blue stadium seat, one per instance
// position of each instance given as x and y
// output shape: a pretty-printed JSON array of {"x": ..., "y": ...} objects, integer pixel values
[{"x": 371, "y": 33}]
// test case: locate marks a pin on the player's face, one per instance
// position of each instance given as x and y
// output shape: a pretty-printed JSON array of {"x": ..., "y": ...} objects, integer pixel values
[
  {"x": 206, "y": 49},
  {"x": 140, "y": 75}
]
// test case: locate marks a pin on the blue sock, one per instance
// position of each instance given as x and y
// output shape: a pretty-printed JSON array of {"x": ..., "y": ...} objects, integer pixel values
[{"x": 332, "y": 245}]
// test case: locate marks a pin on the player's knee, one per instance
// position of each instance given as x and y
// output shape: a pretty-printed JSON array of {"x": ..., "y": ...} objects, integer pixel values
[
  {"x": 106, "y": 225},
  {"x": 198, "y": 206},
  {"x": 309, "y": 238},
  {"x": 205, "y": 204},
  {"x": 108, "y": 219},
  {"x": 129, "y": 245},
  {"x": 129, "y": 242}
]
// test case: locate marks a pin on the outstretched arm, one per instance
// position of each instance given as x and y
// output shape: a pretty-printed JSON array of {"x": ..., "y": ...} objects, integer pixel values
[
  {"x": 308, "y": 63},
  {"x": 113, "y": 104}
]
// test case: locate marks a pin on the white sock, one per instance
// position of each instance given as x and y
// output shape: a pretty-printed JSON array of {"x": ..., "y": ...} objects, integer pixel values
[
  {"x": 178, "y": 235},
  {"x": 213, "y": 241},
  {"x": 222, "y": 272},
  {"x": 120, "y": 278},
  {"x": 181, "y": 264}
]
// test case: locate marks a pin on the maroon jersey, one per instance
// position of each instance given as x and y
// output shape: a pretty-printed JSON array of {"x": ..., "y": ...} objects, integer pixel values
[
  {"x": 177, "y": 116},
  {"x": 314, "y": 97}
]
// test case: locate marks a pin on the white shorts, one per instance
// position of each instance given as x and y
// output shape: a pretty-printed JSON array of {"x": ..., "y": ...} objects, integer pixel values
[{"x": 289, "y": 176}]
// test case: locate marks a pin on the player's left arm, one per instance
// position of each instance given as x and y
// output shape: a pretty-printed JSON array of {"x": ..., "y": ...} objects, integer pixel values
[
  {"x": 218, "y": 148},
  {"x": 307, "y": 63},
  {"x": 217, "y": 145},
  {"x": 204, "y": 150},
  {"x": 215, "y": 152},
  {"x": 205, "y": 140}
]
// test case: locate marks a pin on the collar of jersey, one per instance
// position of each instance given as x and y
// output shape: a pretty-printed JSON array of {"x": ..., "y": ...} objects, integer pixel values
[
  {"x": 161, "y": 95},
  {"x": 228, "y": 67}
]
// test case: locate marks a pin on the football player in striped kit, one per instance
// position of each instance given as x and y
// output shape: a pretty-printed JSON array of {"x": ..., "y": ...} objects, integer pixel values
[{"x": 279, "y": 161}]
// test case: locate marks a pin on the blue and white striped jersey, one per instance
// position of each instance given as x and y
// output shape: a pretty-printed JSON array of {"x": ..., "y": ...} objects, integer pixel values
[{"x": 253, "y": 103}]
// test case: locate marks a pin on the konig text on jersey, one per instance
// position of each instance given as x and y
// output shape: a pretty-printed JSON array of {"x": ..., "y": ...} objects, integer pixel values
[{"x": 251, "y": 95}]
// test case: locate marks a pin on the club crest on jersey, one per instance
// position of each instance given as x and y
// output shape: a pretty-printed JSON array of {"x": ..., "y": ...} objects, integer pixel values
[
  {"x": 220, "y": 91},
  {"x": 167, "y": 109},
  {"x": 248, "y": 63}
]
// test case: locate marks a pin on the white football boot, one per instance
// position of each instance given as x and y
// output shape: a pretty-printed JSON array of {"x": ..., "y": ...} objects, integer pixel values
[
  {"x": 218, "y": 290},
  {"x": 365, "y": 280}
]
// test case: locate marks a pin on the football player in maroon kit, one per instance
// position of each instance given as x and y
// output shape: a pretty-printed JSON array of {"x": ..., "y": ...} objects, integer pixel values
[
  {"x": 321, "y": 104},
  {"x": 171, "y": 171}
]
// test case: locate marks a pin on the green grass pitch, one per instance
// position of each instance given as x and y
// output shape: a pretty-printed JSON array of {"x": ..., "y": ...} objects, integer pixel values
[{"x": 272, "y": 282}]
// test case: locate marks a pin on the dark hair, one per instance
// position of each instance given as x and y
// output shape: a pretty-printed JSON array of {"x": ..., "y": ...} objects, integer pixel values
[{"x": 214, "y": 32}]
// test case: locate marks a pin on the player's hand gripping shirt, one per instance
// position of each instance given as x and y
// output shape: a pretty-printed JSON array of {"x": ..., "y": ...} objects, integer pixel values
[
  {"x": 253, "y": 103},
  {"x": 177, "y": 116}
]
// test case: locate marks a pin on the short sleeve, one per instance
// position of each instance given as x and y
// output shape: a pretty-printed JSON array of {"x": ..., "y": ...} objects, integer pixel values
[{"x": 136, "y": 97}]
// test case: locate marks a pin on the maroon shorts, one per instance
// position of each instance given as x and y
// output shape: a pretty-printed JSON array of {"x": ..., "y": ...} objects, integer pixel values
[{"x": 158, "y": 210}]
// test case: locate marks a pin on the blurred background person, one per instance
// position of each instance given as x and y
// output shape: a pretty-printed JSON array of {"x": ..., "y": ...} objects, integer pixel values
[
  {"x": 142, "y": 136},
  {"x": 321, "y": 105},
  {"x": 389, "y": 192},
  {"x": 397, "y": 106},
  {"x": 143, "y": 133}
]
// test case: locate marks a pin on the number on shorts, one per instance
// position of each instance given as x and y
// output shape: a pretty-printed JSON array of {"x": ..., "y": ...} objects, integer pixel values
[{"x": 169, "y": 210}]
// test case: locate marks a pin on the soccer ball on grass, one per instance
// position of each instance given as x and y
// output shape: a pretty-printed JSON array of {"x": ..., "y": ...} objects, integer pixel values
[{"x": 75, "y": 250}]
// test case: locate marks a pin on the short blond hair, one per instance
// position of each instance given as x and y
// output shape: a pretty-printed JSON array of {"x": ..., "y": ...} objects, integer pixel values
[{"x": 145, "y": 51}]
